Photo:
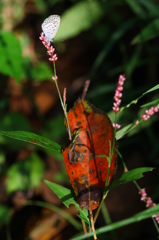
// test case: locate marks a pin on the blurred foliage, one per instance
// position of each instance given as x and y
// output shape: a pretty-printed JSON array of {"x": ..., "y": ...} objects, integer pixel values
[
  {"x": 90, "y": 12},
  {"x": 11, "y": 55},
  {"x": 41, "y": 72},
  {"x": 25, "y": 175},
  {"x": 113, "y": 37},
  {"x": 4, "y": 214}
]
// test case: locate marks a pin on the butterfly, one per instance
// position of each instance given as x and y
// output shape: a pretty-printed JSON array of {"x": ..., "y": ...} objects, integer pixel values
[{"x": 50, "y": 27}]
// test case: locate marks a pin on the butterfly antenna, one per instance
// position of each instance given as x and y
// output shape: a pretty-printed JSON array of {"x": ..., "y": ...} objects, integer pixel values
[{"x": 85, "y": 89}]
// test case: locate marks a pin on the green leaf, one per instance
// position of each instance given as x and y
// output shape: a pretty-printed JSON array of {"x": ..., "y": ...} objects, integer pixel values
[
  {"x": 123, "y": 131},
  {"x": 129, "y": 176},
  {"x": 78, "y": 18},
  {"x": 136, "y": 218},
  {"x": 10, "y": 55},
  {"x": 152, "y": 89},
  {"x": 26, "y": 174},
  {"x": 149, "y": 32},
  {"x": 137, "y": 99},
  {"x": 41, "y": 72},
  {"x": 33, "y": 138},
  {"x": 150, "y": 104},
  {"x": 67, "y": 197}
]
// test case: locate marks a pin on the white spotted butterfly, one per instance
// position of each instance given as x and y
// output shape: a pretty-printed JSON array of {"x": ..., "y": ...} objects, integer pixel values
[{"x": 50, "y": 27}]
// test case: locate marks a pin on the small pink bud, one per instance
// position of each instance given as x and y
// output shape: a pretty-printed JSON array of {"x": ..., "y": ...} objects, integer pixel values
[
  {"x": 64, "y": 96},
  {"x": 137, "y": 122}
]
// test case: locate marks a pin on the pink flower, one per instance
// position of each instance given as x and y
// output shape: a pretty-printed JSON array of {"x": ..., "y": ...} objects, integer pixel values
[
  {"x": 54, "y": 78},
  {"x": 64, "y": 96},
  {"x": 118, "y": 93},
  {"x": 50, "y": 49},
  {"x": 148, "y": 201},
  {"x": 149, "y": 113},
  {"x": 137, "y": 122},
  {"x": 117, "y": 126}
]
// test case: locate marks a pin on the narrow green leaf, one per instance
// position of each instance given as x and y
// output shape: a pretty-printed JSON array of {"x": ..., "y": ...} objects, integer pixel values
[
  {"x": 33, "y": 138},
  {"x": 136, "y": 218},
  {"x": 10, "y": 55},
  {"x": 150, "y": 104},
  {"x": 67, "y": 197},
  {"x": 152, "y": 89},
  {"x": 137, "y": 99},
  {"x": 123, "y": 131},
  {"x": 149, "y": 32},
  {"x": 129, "y": 176}
]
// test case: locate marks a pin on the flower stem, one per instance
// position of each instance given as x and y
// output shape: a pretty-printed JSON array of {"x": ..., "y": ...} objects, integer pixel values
[{"x": 62, "y": 104}]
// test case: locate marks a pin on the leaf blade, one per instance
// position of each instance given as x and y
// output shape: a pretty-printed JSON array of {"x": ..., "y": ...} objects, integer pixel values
[
  {"x": 135, "y": 218},
  {"x": 33, "y": 138},
  {"x": 129, "y": 176},
  {"x": 67, "y": 197}
]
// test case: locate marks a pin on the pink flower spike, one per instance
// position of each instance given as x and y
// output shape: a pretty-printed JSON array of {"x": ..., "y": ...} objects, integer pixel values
[
  {"x": 148, "y": 201},
  {"x": 50, "y": 49},
  {"x": 143, "y": 194},
  {"x": 118, "y": 93},
  {"x": 42, "y": 37},
  {"x": 149, "y": 113},
  {"x": 53, "y": 58}
]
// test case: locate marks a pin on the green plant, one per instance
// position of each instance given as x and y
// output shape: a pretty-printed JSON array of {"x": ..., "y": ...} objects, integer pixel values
[{"x": 112, "y": 30}]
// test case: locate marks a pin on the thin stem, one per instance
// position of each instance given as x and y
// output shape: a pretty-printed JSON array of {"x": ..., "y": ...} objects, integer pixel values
[
  {"x": 121, "y": 157},
  {"x": 98, "y": 210},
  {"x": 92, "y": 225},
  {"x": 62, "y": 104},
  {"x": 156, "y": 225},
  {"x": 106, "y": 214},
  {"x": 84, "y": 226}
]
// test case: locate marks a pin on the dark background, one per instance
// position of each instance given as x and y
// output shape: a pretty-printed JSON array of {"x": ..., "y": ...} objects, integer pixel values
[{"x": 97, "y": 40}]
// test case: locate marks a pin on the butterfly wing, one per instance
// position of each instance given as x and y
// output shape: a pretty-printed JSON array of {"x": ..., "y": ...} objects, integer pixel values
[{"x": 50, "y": 27}]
